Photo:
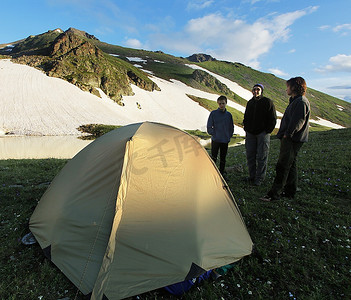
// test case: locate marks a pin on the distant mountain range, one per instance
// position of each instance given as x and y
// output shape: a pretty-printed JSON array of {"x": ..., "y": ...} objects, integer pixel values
[{"x": 92, "y": 65}]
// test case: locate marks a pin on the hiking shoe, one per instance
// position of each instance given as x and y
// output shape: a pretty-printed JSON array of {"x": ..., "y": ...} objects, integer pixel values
[
  {"x": 286, "y": 195},
  {"x": 28, "y": 239},
  {"x": 268, "y": 198}
]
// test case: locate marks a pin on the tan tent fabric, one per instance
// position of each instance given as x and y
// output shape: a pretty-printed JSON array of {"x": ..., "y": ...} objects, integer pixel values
[
  {"x": 135, "y": 210},
  {"x": 75, "y": 214}
]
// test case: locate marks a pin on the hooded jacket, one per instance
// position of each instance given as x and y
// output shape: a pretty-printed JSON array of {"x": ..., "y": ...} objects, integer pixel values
[
  {"x": 295, "y": 121},
  {"x": 260, "y": 115}
]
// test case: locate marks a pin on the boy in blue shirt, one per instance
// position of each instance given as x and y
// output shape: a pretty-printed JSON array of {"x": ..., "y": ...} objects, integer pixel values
[{"x": 221, "y": 128}]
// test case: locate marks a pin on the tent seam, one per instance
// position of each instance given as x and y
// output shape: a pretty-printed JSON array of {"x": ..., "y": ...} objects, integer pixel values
[{"x": 96, "y": 236}]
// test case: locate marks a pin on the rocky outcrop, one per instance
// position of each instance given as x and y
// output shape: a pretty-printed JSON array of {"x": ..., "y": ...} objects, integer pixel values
[
  {"x": 69, "y": 41},
  {"x": 148, "y": 86},
  {"x": 210, "y": 81},
  {"x": 200, "y": 57},
  {"x": 81, "y": 33},
  {"x": 71, "y": 56}
]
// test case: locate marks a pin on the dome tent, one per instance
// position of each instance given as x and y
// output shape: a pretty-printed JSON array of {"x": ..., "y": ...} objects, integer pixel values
[{"x": 140, "y": 208}]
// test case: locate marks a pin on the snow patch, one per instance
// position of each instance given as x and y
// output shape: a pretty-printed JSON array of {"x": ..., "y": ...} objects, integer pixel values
[
  {"x": 326, "y": 123},
  {"x": 36, "y": 104},
  {"x": 233, "y": 86},
  {"x": 147, "y": 71},
  {"x": 137, "y": 59},
  {"x": 339, "y": 107},
  {"x": 8, "y": 47}
]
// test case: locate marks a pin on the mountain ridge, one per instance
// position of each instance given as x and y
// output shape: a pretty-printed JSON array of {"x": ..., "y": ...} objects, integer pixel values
[
  {"x": 84, "y": 60},
  {"x": 70, "y": 55}
]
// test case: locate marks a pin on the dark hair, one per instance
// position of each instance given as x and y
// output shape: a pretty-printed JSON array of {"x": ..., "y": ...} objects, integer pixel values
[
  {"x": 220, "y": 98},
  {"x": 297, "y": 85}
]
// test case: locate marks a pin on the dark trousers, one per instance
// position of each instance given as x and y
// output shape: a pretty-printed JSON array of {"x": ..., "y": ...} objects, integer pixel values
[
  {"x": 257, "y": 148},
  {"x": 222, "y": 148},
  {"x": 286, "y": 169}
]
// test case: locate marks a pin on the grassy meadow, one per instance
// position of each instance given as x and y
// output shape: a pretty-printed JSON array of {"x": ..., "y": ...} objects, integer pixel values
[{"x": 301, "y": 246}]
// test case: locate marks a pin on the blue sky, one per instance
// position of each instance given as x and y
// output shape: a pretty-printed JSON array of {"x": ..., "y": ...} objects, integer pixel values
[{"x": 288, "y": 38}]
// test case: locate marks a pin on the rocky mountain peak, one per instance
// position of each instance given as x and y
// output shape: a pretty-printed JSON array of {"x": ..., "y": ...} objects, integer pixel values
[
  {"x": 200, "y": 57},
  {"x": 70, "y": 41},
  {"x": 81, "y": 33}
]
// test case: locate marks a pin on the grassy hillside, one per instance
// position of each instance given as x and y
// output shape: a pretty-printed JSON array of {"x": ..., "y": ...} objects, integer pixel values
[
  {"x": 322, "y": 105},
  {"x": 72, "y": 56},
  {"x": 302, "y": 246},
  {"x": 144, "y": 54},
  {"x": 114, "y": 74},
  {"x": 170, "y": 67},
  {"x": 36, "y": 44}
]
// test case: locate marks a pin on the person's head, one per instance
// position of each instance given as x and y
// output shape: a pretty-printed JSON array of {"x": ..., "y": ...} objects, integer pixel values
[
  {"x": 296, "y": 86},
  {"x": 257, "y": 90},
  {"x": 222, "y": 102}
]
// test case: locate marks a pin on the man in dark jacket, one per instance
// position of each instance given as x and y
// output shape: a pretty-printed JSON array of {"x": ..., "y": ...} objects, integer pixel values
[
  {"x": 259, "y": 121},
  {"x": 221, "y": 128},
  {"x": 293, "y": 132}
]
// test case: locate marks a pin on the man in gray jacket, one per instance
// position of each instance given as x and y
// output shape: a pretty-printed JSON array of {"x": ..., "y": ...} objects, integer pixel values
[{"x": 293, "y": 132}]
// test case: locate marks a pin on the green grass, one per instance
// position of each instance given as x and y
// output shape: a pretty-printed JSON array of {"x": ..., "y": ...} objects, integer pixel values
[
  {"x": 96, "y": 130},
  {"x": 322, "y": 105},
  {"x": 166, "y": 66},
  {"x": 302, "y": 246},
  {"x": 144, "y": 54},
  {"x": 38, "y": 44}
]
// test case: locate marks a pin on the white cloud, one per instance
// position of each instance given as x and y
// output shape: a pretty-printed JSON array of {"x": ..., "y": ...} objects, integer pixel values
[
  {"x": 231, "y": 39},
  {"x": 133, "y": 43},
  {"x": 292, "y": 51},
  {"x": 324, "y": 27},
  {"x": 342, "y": 27},
  {"x": 338, "y": 63},
  {"x": 251, "y": 1},
  {"x": 337, "y": 86},
  {"x": 199, "y": 4},
  {"x": 341, "y": 87},
  {"x": 278, "y": 72}
]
